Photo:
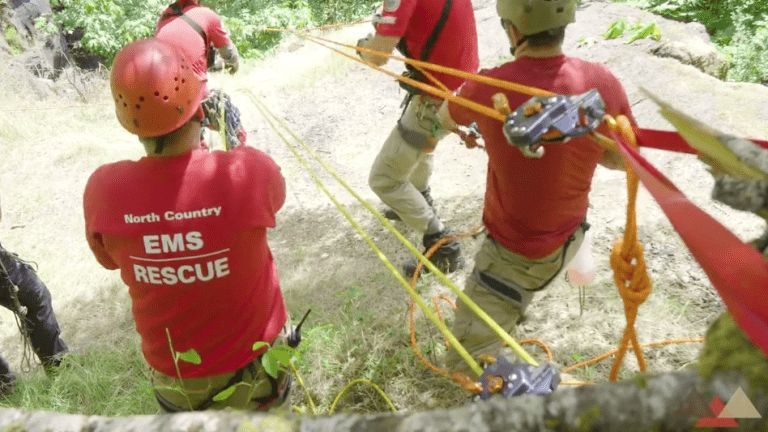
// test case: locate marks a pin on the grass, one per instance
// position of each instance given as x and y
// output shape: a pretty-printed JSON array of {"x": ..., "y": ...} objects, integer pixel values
[{"x": 105, "y": 380}]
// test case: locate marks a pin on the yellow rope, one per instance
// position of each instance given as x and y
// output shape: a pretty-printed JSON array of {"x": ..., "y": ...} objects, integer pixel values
[
  {"x": 468, "y": 302},
  {"x": 347, "y": 215},
  {"x": 300, "y": 380},
  {"x": 362, "y": 381}
]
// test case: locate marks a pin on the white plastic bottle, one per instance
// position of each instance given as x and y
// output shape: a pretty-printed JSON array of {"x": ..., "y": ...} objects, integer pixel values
[{"x": 581, "y": 269}]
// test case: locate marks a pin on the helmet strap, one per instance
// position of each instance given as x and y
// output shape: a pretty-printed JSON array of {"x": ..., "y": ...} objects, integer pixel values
[
  {"x": 508, "y": 29},
  {"x": 518, "y": 44},
  {"x": 160, "y": 144}
]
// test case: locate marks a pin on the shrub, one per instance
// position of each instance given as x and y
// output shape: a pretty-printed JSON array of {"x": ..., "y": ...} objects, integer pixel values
[{"x": 108, "y": 25}]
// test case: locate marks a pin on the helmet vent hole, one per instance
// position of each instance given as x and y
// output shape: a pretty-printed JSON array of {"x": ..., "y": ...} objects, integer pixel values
[
  {"x": 175, "y": 78},
  {"x": 138, "y": 107},
  {"x": 120, "y": 96},
  {"x": 165, "y": 98},
  {"x": 560, "y": 9},
  {"x": 157, "y": 93},
  {"x": 125, "y": 105},
  {"x": 177, "y": 89},
  {"x": 183, "y": 80},
  {"x": 141, "y": 98}
]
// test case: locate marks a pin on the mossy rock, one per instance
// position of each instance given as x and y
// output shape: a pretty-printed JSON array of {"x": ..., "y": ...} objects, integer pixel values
[{"x": 727, "y": 348}]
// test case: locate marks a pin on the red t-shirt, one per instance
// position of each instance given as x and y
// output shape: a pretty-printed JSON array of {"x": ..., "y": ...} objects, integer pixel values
[
  {"x": 188, "y": 234},
  {"x": 179, "y": 33},
  {"x": 532, "y": 206},
  {"x": 414, "y": 20}
]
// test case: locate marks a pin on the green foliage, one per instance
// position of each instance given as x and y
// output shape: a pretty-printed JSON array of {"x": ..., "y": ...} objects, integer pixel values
[
  {"x": 337, "y": 11},
  {"x": 12, "y": 37},
  {"x": 739, "y": 27},
  {"x": 616, "y": 29},
  {"x": 648, "y": 30},
  {"x": 639, "y": 30},
  {"x": 108, "y": 25},
  {"x": 225, "y": 394},
  {"x": 189, "y": 356},
  {"x": 275, "y": 357}
]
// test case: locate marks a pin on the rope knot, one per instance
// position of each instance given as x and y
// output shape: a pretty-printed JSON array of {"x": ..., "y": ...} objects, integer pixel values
[{"x": 630, "y": 273}]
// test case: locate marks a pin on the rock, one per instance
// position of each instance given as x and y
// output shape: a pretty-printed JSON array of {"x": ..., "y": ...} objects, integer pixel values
[
  {"x": 44, "y": 55},
  {"x": 668, "y": 402},
  {"x": 25, "y": 12},
  {"x": 689, "y": 44}
]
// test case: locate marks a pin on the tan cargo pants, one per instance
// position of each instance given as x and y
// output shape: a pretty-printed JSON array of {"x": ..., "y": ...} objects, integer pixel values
[
  {"x": 255, "y": 390},
  {"x": 404, "y": 165},
  {"x": 503, "y": 283}
]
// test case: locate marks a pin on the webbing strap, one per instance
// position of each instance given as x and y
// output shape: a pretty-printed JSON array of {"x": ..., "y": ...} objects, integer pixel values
[
  {"x": 673, "y": 141},
  {"x": 736, "y": 270},
  {"x": 430, "y": 45},
  {"x": 426, "y": 52}
]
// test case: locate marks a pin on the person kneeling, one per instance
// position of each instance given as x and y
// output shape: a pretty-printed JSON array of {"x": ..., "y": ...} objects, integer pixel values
[{"x": 188, "y": 231}]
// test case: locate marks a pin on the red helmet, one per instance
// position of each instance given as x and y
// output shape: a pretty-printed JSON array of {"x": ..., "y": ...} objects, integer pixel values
[{"x": 155, "y": 89}]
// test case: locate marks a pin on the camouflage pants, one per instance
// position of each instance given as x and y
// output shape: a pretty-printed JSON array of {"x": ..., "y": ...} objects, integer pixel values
[
  {"x": 503, "y": 284},
  {"x": 404, "y": 164},
  {"x": 255, "y": 389}
]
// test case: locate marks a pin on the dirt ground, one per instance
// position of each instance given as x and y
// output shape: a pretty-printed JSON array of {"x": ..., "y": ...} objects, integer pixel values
[{"x": 344, "y": 112}]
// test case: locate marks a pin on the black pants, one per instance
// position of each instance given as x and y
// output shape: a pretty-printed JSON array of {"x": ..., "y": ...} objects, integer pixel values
[{"x": 40, "y": 320}]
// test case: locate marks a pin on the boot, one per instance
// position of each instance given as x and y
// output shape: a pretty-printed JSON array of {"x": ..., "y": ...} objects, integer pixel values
[
  {"x": 447, "y": 259},
  {"x": 7, "y": 379},
  {"x": 393, "y": 216}
]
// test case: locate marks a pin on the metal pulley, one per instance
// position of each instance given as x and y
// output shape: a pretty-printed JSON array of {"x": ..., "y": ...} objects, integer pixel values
[{"x": 553, "y": 119}]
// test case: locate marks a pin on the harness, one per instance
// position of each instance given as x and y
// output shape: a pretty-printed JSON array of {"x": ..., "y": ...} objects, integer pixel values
[
  {"x": 176, "y": 12},
  {"x": 426, "y": 52}
]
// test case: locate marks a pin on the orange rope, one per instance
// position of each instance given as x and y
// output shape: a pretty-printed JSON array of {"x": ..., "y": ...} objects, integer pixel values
[
  {"x": 605, "y": 355},
  {"x": 539, "y": 343},
  {"x": 461, "y": 379},
  {"x": 630, "y": 274},
  {"x": 495, "y": 82},
  {"x": 466, "y": 103},
  {"x": 436, "y": 302}
]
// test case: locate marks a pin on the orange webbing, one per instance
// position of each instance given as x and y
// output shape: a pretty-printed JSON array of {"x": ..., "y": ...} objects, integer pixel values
[{"x": 629, "y": 271}]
